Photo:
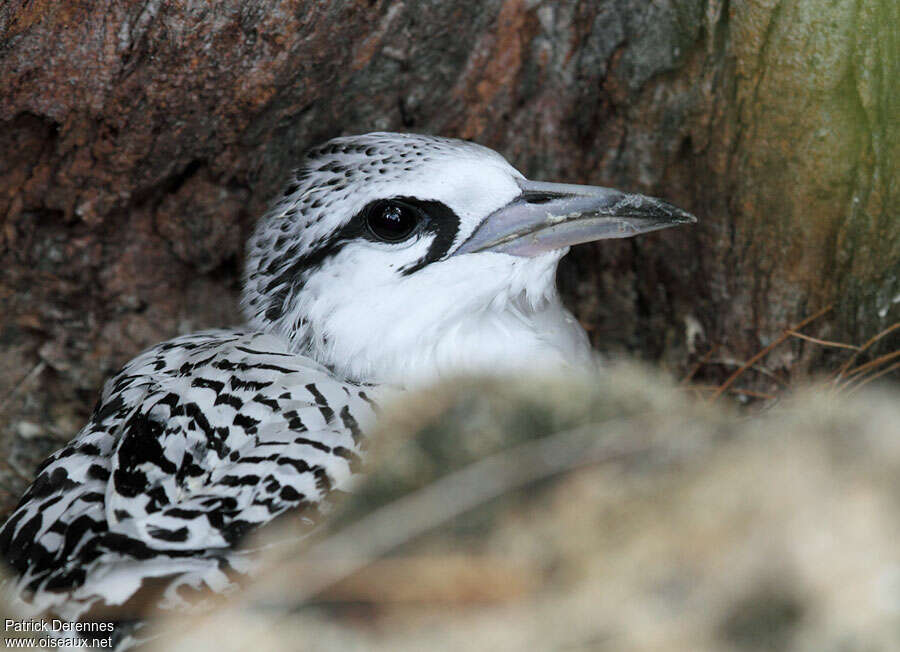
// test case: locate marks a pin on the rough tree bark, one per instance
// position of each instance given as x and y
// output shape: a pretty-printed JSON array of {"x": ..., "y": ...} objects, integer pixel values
[{"x": 139, "y": 141}]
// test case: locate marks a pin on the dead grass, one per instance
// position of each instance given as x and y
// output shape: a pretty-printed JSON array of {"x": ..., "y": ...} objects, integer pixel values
[{"x": 848, "y": 378}]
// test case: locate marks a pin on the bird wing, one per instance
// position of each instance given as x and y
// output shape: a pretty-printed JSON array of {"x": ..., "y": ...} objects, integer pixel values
[{"x": 194, "y": 443}]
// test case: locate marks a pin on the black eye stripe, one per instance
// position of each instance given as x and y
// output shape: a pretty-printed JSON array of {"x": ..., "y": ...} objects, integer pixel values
[
  {"x": 288, "y": 270},
  {"x": 444, "y": 224},
  {"x": 437, "y": 219}
]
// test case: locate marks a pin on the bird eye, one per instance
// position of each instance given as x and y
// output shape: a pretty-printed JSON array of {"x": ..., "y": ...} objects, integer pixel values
[{"x": 391, "y": 221}]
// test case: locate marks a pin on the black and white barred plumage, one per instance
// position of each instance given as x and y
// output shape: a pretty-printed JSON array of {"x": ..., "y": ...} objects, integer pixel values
[
  {"x": 389, "y": 260},
  {"x": 192, "y": 444}
]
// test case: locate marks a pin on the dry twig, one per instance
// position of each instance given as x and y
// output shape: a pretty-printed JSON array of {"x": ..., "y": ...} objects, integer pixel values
[
  {"x": 865, "y": 347},
  {"x": 816, "y": 340},
  {"x": 759, "y": 356},
  {"x": 24, "y": 382},
  {"x": 697, "y": 367}
]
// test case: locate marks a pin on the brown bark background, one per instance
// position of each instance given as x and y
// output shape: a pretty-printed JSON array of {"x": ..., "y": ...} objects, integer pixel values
[{"x": 139, "y": 141}]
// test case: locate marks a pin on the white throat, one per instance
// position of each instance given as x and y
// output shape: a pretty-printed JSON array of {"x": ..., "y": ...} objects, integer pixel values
[{"x": 489, "y": 313}]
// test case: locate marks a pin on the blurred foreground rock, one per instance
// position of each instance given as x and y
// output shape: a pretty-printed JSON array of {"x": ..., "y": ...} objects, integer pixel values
[{"x": 609, "y": 514}]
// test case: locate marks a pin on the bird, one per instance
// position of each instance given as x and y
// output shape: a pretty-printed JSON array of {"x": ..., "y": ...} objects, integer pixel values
[{"x": 388, "y": 261}]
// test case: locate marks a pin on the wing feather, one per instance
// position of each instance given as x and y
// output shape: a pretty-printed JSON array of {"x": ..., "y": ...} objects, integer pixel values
[{"x": 194, "y": 443}]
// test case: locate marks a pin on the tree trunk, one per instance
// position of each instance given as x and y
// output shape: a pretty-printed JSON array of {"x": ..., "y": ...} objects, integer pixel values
[{"x": 141, "y": 140}]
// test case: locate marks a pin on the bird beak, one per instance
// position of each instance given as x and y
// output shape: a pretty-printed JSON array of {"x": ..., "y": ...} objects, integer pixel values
[{"x": 548, "y": 216}]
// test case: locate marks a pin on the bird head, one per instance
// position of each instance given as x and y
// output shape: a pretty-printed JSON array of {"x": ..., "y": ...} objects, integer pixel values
[{"x": 400, "y": 257}]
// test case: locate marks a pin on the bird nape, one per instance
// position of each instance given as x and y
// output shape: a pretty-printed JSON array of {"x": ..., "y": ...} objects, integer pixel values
[{"x": 389, "y": 260}]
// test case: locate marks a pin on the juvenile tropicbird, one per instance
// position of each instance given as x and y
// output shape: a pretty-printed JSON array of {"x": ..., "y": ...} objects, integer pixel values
[{"x": 390, "y": 259}]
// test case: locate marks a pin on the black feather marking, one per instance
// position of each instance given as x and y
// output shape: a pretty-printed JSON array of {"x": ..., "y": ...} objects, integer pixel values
[
  {"x": 350, "y": 423},
  {"x": 214, "y": 385},
  {"x": 47, "y": 483},
  {"x": 229, "y": 399},
  {"x": 103, "y": 412},
  {"x": 322, "y": 402},
  {"x": 253, "y": 385},
  {"x": 76, "y": 531},
  {"x": 313, "y": 443},
  {"x": 16, "y": 550},
  {"x": 354, "y": 459},
  {"x": 291, "y": 494},
  {"x": 255, "y": 352},
  {"x": 247, "y": 423},
  {"x": 65, "y": 581},
  {"x": 299, "y": 465},
  {"x": 269, "y": 403},
  {"x": 141, "y": 444},
  {"x": 236, "y": 530},
  {"x": 273, "y": 367},
  {"x": 98, "y": 472},
  {"x": 323, "y": 480},
  {"x": 240, "y": 481},
  {"x": 180, "y": 512},
  {"x": 163, "y": 534}
]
